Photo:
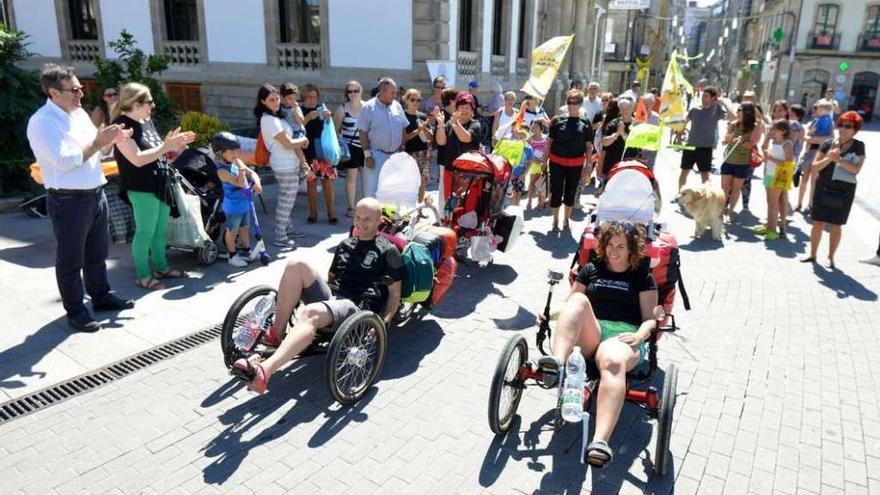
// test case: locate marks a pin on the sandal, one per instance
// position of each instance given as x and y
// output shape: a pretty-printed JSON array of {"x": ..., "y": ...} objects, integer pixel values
[
  {"x": 332, "y": 220},
  {"x": 173, "y": 273},
  {"x": 253, "y": 374},
  {"x": 808, "y": 259},
  {"x": 152, "y": 283},
  {"x": 598, "y": 454},
  {"x": 349, "y": 213},
  {"x": 311, "y": 220}
]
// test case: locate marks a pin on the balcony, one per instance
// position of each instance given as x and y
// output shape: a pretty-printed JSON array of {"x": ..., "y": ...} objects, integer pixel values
[
  {"x": 182, "y": 52},
  {"x": 468, "y": 66},
  {"x": 296, "y": 56},
  {"x": 823, "y": 41},
  {"x": 499, "y": 66},
  {"x": 83, "y": 50},
  {"x": 869, "y": 42}
]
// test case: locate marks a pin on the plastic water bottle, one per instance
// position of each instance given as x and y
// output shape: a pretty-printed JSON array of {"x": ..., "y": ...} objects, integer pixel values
[
  {"x": 247, "y": 334},
  {"x": 573, "y": 389}
]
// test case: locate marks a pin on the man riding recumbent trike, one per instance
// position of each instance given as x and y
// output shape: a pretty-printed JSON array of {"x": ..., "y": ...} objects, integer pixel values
[
  {"x": 606, "y": 339},
  {"x": 344, "y": 316}
]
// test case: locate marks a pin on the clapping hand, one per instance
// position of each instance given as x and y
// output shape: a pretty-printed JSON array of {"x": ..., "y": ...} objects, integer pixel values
[
  {"x": 111, "y": 134},
  {"x": 176, "y": 140},
  {"x": 833, "y": 154},
  {"x": 439, "y": 117}
]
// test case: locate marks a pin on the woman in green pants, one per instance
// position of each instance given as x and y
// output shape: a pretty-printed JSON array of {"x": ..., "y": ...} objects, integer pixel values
[{"x": 144, "y": 173}]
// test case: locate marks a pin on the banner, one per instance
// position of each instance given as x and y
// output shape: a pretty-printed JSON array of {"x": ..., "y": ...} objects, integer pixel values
[
  {"x": 672, "y": 103},
  {"x": 643, "y": 67},
  {"x": 645, "y": 136},
  {"x": 445, "y": 68},
  {"x": 629, "y": 4},
  {"x": 546, "y": 60}
]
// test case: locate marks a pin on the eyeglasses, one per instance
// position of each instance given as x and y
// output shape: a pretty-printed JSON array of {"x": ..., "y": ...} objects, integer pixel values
[
  {"x": 77, "y": 90},
  {"x": 440, "y": 87},
  {"x": 353, "y": 91},
  {"x": 572, "y": 103},
  {"x": 847, "y": 126},
  {"x": 112, "y": 93},
  {"x": 415, "y": 100},
  {"x": 147, "y": 102}
]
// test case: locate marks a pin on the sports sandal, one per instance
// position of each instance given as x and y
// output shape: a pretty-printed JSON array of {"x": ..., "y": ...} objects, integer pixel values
[
  {"x": 253, "y": 374},
  {"x": 152, "y": 283},
  {"x": 598, "y": 454},
  {"x": 173, "y": 273},
  {"x": 551, "y": 369}
]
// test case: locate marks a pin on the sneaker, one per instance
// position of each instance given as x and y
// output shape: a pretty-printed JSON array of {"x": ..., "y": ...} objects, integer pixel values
[
  {"x": 284, "y": 243},
  {"x": 771, "y": 235},
  {"x": 295, "y": 233},
  {"x": 761, "y": 230},
  {"x": 872, "y": 261},
  {"x": 237, "y": 261},
  {"x": 552, "y": 370}
]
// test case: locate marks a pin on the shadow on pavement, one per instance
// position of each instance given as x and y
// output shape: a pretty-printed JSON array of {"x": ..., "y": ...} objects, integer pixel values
[
  {"x": 21, "y": 359},
  {"x": 471, "y": 286},
  {"x": 842, "y": 284},
  {"x": 520, "y": 321},
  {"x": 560, "y": 245}
]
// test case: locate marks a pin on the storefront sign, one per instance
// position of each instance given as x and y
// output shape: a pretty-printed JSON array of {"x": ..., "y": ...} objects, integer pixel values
[{"x": 629, "y": 4}]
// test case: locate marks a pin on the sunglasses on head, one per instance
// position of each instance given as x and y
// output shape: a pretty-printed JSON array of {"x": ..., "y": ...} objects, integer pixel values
[{"x": 628, "y": 227}]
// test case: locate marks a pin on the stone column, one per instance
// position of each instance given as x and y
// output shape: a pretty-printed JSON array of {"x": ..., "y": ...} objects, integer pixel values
[{"x": 583, "y": 39}]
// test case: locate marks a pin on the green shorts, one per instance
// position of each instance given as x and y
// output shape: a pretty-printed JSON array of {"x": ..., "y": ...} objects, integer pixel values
[{"x": 611, "y": 329}]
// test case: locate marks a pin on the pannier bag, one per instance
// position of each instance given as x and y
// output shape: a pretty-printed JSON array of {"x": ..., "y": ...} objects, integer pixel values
[
  {"x": 418, "y": 276},
  {"x": 443, "y": 279}
]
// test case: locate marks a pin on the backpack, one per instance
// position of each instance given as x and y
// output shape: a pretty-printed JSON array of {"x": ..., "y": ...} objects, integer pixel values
[
  {"x": 418, "y": 278},
  {"x": 261, "y": 153}
]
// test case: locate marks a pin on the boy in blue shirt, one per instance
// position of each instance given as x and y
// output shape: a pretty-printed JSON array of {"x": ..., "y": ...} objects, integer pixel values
[
  {"x": 820, "y": 130},
  {"x": 237, "y": 179}
]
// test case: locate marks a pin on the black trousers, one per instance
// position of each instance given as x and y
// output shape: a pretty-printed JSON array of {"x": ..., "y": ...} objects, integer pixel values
[
  {"x": 80, "y": 225},
  {"x": 563, "y": 184}
]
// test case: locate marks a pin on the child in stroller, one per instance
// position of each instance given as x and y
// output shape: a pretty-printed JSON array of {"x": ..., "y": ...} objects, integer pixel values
[
  {"x": 196, "y": 165},
  {"x": 238, "y": 182}
]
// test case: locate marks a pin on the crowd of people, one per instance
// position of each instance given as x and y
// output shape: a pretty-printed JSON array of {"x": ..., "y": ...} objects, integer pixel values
[{"x": 584, "y": 138}]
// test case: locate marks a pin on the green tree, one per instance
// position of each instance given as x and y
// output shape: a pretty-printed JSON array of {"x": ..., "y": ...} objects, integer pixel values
[
  {"x": 133, "y": 65},
  {"x": 20, "y": 96}
]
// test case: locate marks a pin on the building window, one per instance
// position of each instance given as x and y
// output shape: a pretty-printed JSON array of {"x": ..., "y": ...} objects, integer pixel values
[
  {"x": 826, "y": 19},
  {"x": 83, "y": 23},
  {"x": 498, "y": 28},
  {"x": 872, "y": 24},
  {"x": 465, "y": 25},
  {"x": 90, "y": 88},
  {"x": 522, "y": 49},
  {"x": 186, "y": 97},
  {"x": 300, "y": 21},
  {"x": 181, "y": 20}
]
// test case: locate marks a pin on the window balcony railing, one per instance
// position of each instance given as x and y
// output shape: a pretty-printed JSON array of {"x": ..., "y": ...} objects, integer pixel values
[
  {"x": 869, "y": 42},
  {"x": 499, "y": 66},
  {"x": 522, "y": 68},
  {"x": 84, "y": 50},
  {"x": 468, "y": 65},
  {"x": 296, "y": 56},
  {"x": 182, "y": 52},
  {"x": 823, "y": 41}
]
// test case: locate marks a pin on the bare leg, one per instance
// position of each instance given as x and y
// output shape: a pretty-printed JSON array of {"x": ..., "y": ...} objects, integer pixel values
[
  {"x": 834, "y": 241},
  {"x": 802, "y": 189},
  {"x": 351, "y": 180},
  {"x": 577, "y": 326},
  {"x": 704, "y": 176},
  {"x": 815, "y": 238},
  {"x": 297, "y": 276},
  {"x": 244, "y": 234},
  {"x": 726, "y": 186},
  {"x": 812, "y": 190},
  {"x": 229, "y": 238},
  {"x": 735, "y": 190},
  {"x": 555, "y": 213},
  {"x": 309, "y": 320},
  {"x": 614, "y": 359},
  {"x": 784, "y": 207},
  {"x": 328, "y": 198},
  {"x": 313, "y": 199},
  {"x": 772, "y": 208},
  {"x": 566, "y": 212},
  {"x": 682, "y": 178}
]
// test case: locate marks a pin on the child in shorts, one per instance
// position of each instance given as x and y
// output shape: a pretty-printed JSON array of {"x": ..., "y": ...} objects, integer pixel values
[
  {"x": 538, "y": 165},
  {"x": 238, "y": 182},
  {"x": 820, "y": 130}
]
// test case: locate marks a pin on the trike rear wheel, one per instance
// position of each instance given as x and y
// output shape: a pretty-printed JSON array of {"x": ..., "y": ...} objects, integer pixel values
[
  {"x": 355, "y": 357},
  {"x": 664, "y": 423},
  {"x": 507, "y": 388}
]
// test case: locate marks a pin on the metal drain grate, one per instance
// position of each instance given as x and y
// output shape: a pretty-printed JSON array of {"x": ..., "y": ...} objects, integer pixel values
[{"x": 54, "y": 394}]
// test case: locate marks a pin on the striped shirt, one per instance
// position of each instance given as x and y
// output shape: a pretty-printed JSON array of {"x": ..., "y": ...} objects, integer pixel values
[{"x": 349, "y": 130}]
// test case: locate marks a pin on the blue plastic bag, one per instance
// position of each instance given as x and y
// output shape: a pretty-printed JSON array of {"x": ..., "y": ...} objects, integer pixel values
[{"x": 330, "y": 143}]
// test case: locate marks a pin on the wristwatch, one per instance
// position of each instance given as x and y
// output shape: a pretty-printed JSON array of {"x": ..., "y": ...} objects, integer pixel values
[{"x": 368, "y": 154}]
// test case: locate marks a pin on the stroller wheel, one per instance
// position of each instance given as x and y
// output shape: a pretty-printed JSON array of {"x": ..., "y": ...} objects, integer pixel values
[{"x": 208, "y": 253}]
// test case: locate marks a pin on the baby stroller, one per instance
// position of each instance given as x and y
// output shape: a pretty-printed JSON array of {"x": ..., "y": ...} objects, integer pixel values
[
  {"x": 631, "y": 195},
  {"x": 474, "y": 189},
  {"x": 201, "y": 219}
]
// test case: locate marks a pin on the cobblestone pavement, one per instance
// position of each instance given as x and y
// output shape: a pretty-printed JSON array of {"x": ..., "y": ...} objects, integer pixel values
[{"x": 777, "y": 394}]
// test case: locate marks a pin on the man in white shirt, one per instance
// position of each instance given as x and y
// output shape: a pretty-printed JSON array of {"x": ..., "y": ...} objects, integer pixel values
[
  {"x": 593, "y": 102},
  {"x": 67, "y": 146},
  {"x": 382, "y": 124},
  {"x": 829, "y": 97}
]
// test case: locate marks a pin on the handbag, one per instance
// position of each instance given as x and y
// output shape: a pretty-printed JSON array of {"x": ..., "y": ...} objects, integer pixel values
[
  {"x": 755, "y": 158},
  {"x": 782, "y": 176},
  {"x": 842, "y": 175}
]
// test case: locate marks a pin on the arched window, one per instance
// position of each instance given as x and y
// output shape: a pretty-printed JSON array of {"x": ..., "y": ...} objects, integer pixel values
[{"x": 813, "y": 85}]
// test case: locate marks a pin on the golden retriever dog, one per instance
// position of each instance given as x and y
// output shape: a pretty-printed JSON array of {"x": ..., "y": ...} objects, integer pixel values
[{"x": 704, "y": 203}]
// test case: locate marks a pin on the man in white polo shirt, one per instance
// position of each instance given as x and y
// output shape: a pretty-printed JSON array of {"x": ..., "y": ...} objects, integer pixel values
[{"x": 67, "y": 146}]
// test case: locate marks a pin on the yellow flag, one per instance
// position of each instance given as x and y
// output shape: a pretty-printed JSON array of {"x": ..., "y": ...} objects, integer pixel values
[
  {"x": 546, "y": 60},
  {"x": 644, "y": 66},
  {"x": 644, "y": 136},
  {"x": 672, "y": 104}
]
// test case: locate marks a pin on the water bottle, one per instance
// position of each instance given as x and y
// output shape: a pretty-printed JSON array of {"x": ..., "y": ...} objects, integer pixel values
[
  {"x": 572, "y": 393},
  {"x": 247, "y": 334}
]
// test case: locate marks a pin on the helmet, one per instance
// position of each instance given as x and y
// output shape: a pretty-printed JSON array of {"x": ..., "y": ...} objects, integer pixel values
[{"x": 223, "y": 141}]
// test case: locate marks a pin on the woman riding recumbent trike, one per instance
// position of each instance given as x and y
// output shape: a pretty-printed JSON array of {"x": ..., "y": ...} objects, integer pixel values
[{"x": 613, "y": 318}]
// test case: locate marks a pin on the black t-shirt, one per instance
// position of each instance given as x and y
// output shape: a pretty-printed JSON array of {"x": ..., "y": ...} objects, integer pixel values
[
  {"x": 416, "y": 143},
  {"x": 570, "y": 136},
  {"x": 856, "y": 149},
  {"x": 454, "y": 148},
  {"x": 614, "y": 152},
  {"x": 150, "y": 178},
  {"x": 598, "y": 118},
  {"x": 314, "y": 128},
  {"x": 358, "y": 264},
  {"x": 615, "y": 296}
]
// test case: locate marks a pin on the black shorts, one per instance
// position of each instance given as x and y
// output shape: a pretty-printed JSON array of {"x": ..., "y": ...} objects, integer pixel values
[
  {"x": 340, "y": 309},
  {"x": 701, "y": 157},
  {"x": 356, "y": 161}
]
